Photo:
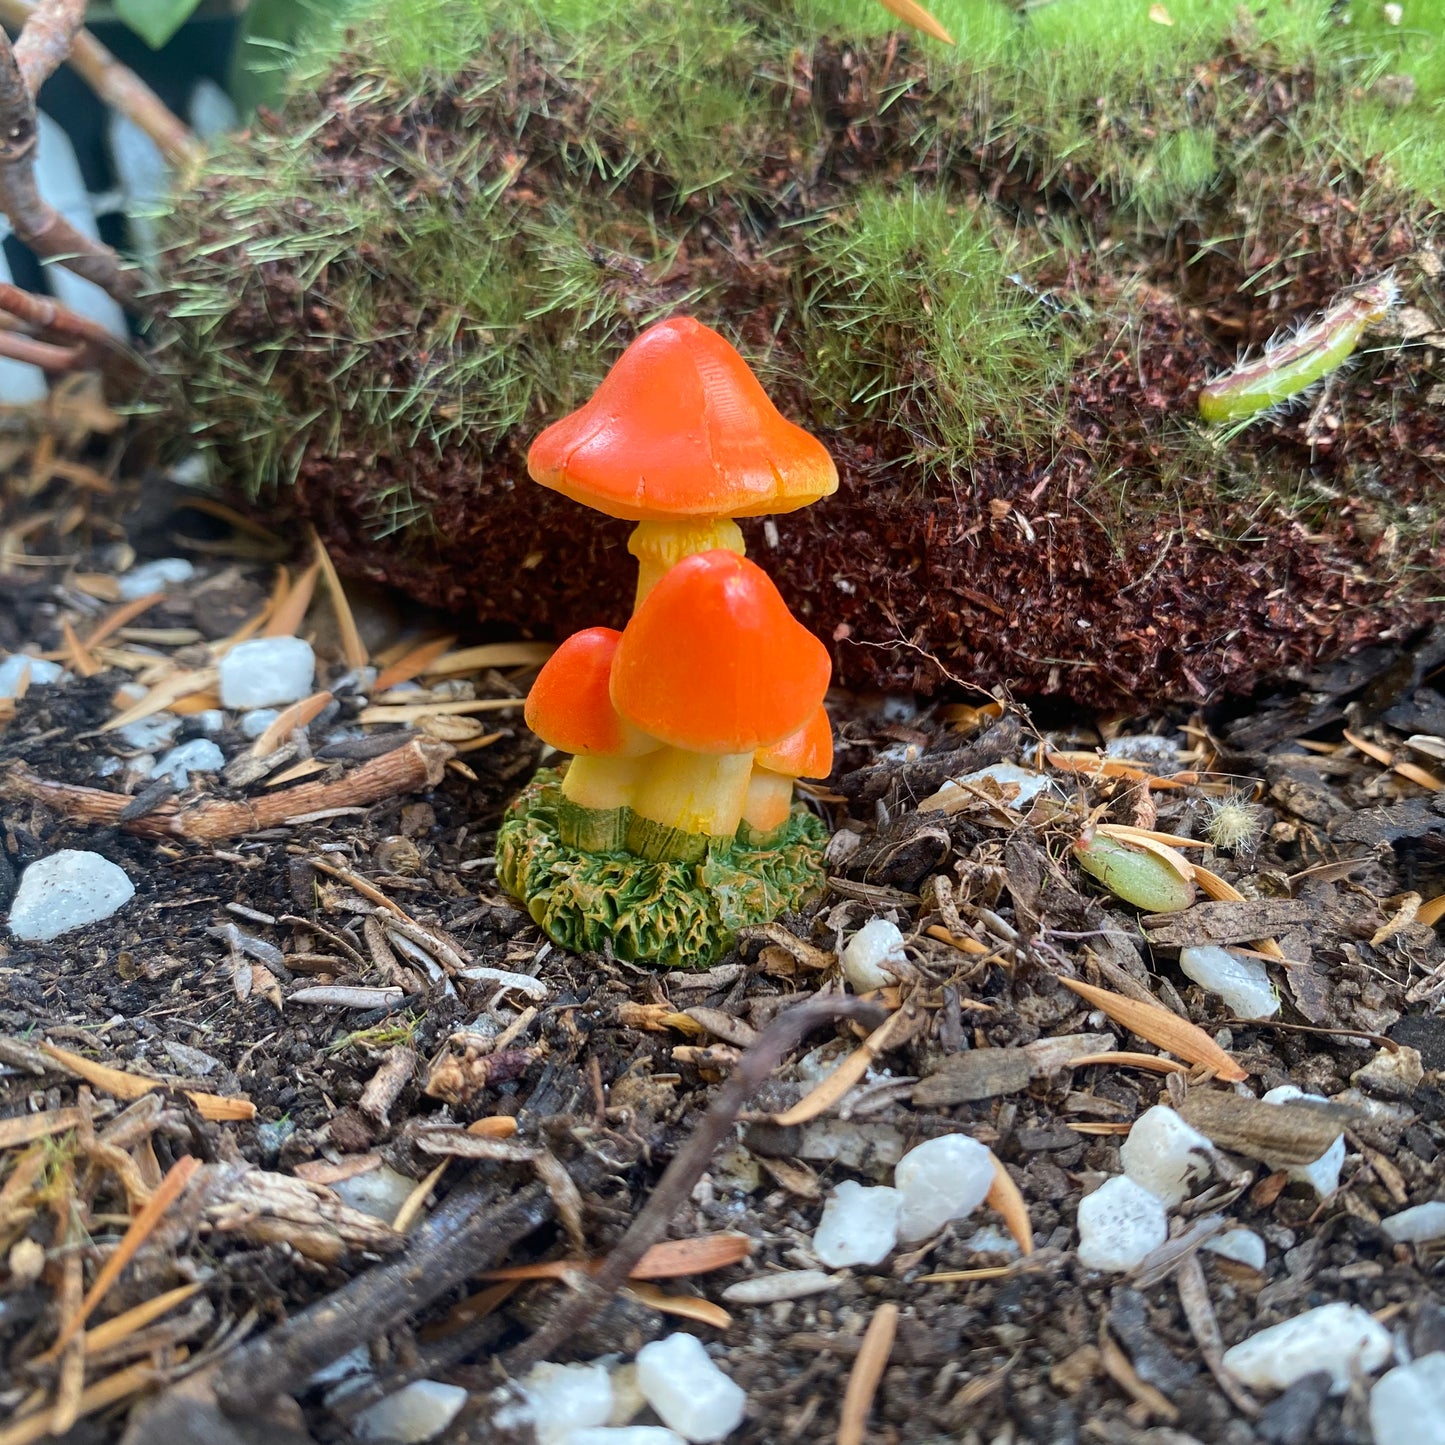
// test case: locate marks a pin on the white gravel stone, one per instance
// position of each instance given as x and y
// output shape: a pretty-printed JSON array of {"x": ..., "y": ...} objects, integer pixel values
[
  {"x": 1407, "y": 1406},
  {"x": 1322, "y": 1174},
  {"x": 267, "y": 672},
  {"x": 868, "y": 954},
  {"x": 564, "y": 1398},
  {"x": 1341, "y": 1338},
  {"x": 42, "y": 673},
  {"x": 1164, "y": 1154},
  {"x": 200, "y": 755},
  {"x": 688, "y": 1391},
  {"x": 1242, "y": 983},
  {"x": 155, "y": 577},
  {"x": 65, "y": 891},
  {"x": 150, "y": 732},
  {"x": 1009, "y": 775},
  {"x": 419, "y": 1411},
  {"x": 624, "y": 1435},
  {"x": 379, "y": 1192},
  {"x": 942, "y": 1179},
  {"x": 1418, "y": 1224},
  {"x": 253, "y": 724},
  {"x": 212, "y": 720},
  {"x": 1243, "y": 1245},
  {"x": 859, "y": 1225},
  {"x": 1120, "y": 1223}
]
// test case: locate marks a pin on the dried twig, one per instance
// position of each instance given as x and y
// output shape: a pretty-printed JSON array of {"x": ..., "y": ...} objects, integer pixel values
[
  {"x": 50, "y": 28},
  {"x": 686, "y": 1168},
  {"x": 417, "y": 765}
]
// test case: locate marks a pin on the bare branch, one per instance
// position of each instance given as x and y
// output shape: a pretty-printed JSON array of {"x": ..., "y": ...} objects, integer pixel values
[
  {"x": 45, "y": 42},
  {"x": 40, "y": 353},
  {"x": 117, "y": 85},
  {"x": 36, "y": 222}
]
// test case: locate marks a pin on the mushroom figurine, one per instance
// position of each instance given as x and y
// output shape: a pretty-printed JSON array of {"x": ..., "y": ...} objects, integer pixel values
[
  {"x": 807, "y": 753},
  {"x": 570, "y": 707},
  {"x": 715, "y": 666},
  {"x": 681, "y": 438}
]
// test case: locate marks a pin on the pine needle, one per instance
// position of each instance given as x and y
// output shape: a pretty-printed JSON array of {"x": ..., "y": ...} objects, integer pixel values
[
  {"x": 114, "y": 1330},
  {"x": 298, "y": 715},
  {"x": 867, "y": 1371},
  {"x": 672, "y": 1259},
  {"x": 412, "y": 664},
  {"x": 491, "y": 654},
  {"x": 352, "y": 647},
  {"x": 291, "y": 607},
  {"x": 683, "y": 1306},
  {"x": 1004, "y": 1196},
  {"x": 126, "y": 613},
  {"x": 132, "y": 1086}
]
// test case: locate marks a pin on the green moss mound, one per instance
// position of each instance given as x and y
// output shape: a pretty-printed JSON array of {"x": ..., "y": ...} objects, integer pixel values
[{"x": 673, "y": 915}]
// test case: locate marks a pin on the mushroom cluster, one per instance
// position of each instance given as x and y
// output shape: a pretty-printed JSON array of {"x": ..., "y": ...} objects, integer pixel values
[{"x": 673, "y": 825}]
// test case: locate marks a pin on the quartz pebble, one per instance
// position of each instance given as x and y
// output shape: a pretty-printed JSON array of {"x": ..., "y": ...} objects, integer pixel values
[
  {"x": 688, "y": 1391},
  {"x": 564, "y": 1398},
  {"x": 1242, "y": 1245},
  {"x": 16, "y": 666},
  {"x": 624, "y": 1435},
  {"x": 942, "y": 1179},
  {"x": 1241, "y": 983},
  {"x": 200, "y": 755},
  {"x": 150, "y": 732},
  {"x": 267, "y": 672},
  {"x": 1008, "y": 777},
  {"x": 1165, "y": 1155},
  {"x": 1322, "y": 1174},
  {"x": 379, "y": 1192},
  {"x": 869, "y": 952},
  {"x": 253, "y": 724},
  {"x": 1120, "y": 1223},
  {"x": 154, "y": 577},
  {"x": 67, "y": 890},
  {"x": 1417, "y": 1225},
  {"x": 1341, "y": 1338},
  {"x": 1407, "y": 1406},
  {"x": 859, "y": 1225},
  {"x": 419, "y": 1411}
]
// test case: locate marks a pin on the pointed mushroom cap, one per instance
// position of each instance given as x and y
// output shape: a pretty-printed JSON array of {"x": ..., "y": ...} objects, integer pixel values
[
  {"x": 807, "y": 753},
  {"x": 570, "y": 706},
  {"x": 680, "y": 427},
  {"x": 714, "y": 662}
]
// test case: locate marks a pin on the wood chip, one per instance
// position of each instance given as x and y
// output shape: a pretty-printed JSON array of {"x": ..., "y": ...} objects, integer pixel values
[
  {"x": 867, "y": 1372},
  {"x": 1226, "y": 923},
  {"x": 1161, "y": 1028},
  {"x": 1295, "y": 1131}
]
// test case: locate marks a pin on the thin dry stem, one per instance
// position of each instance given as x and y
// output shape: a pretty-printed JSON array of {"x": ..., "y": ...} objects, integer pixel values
[{"x": 50, "y": 28}]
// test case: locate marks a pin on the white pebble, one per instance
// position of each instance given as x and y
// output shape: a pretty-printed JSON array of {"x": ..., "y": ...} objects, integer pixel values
[
  {"x": 419, "y": 1411},
  {"x": 1119, "y": 1224},
  {"x": 624, "y": 1435},
  {"x": 253, "y": 724},
  {"x": 1165, "y": 1155},
  {"x": 200, "y": 755},
  {"x": 67, "y": 890},
  {"x": 1009, "y": 776},
  {"x": 688, "y": 1391},
  {"x": 1242, "y": 983},
  {"x": 767, "y": 1289},
  {"x": 379, "y": 1192},
  {"x": 1407, "y": 1407},
  {"x": 563, "y": 1398},
  {"x": 212, "y": 720},
  {"x": 1243, "y": 1245},
  {"x": 859, "y": 1225},
  {"x": 1417, "y": 1225},
  {"x": 1322, "y": 1174},
  {"x": 267, "y": 672},
  {"x": 150, "y": 732},
  {"x": 942, "y": 1179},
  {"x": 155, "y": 577},
  {"x": 1341, "y": 1338},
  {"x": 869, "y": 952},
  {"x": 42, "y": 673},
  {"x": 990, "y": 1239}
]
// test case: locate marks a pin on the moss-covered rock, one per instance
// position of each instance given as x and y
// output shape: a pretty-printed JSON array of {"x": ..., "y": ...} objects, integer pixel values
[{"x": 993, "y": 279}]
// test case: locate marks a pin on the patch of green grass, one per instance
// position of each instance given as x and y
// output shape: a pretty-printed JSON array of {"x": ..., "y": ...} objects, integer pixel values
[{"x": 919, "y": 313}]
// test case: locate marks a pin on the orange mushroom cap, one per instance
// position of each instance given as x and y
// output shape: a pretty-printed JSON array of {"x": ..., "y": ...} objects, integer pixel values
[
  {"x": 807, "y": 753},
  {"x": 714, "y": 662},
  {"x": 680, "y": 427},
  {"x": 570, "y": 706}
]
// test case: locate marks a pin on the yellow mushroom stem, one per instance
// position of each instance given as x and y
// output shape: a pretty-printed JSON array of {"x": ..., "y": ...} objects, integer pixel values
[
  {"x": 598, "y": 793},
  {"x": 660, "y": 546},
  {"x": 769, "y": 802},
  {"x": 686, "y": 800}
]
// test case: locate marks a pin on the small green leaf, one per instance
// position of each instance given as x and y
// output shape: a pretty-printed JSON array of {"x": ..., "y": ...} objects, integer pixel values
[
  {"x": 1137, "y": 877},
  {"x": 155, "y": 21}
]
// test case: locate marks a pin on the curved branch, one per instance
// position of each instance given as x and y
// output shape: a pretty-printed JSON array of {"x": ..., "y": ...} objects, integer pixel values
[{"x": 50, "y": 28}]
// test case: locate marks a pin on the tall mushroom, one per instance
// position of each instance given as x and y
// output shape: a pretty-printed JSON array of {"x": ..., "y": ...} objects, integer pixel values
[
  {"x": 681, "y": 438},
  {"x": 570, "y": 707},
  {"x": 715, "y": 666},
  {"x": 807, "y": 753}
]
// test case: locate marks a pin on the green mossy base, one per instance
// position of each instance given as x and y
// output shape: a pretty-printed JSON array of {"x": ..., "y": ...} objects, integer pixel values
[{"x": 674, "y": 915}]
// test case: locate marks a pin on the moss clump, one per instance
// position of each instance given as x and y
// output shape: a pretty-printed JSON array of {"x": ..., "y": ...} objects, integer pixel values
[{"x": 676, "y": 915}]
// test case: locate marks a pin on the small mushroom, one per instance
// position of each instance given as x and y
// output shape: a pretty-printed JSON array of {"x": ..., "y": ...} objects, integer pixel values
[
  {"x": 570, "y": 707},
  {"x": 715, "y": 666},
  {"x": 807, "y": 753},
  {"x": 681, "y": 438}
]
